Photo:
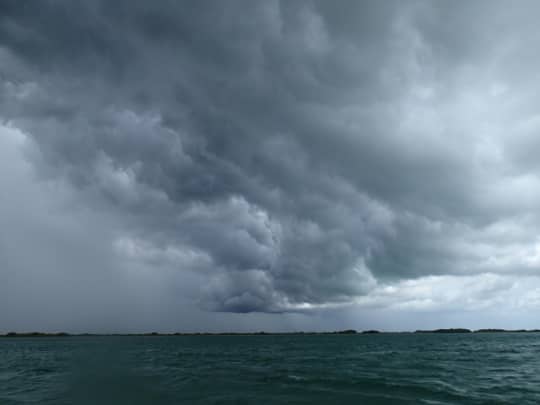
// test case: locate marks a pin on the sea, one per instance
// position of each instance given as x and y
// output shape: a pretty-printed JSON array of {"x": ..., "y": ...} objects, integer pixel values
[{"x": 473, "y": 368}]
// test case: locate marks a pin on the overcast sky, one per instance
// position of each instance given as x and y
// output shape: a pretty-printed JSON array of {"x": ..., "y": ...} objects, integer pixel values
[{"x": 248, "y": 165}]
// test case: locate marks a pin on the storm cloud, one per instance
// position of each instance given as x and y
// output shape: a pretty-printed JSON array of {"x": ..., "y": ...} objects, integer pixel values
[{"x": 266, "y": 156}]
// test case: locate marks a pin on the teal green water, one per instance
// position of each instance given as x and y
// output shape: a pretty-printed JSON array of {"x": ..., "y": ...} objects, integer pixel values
[{"x": 363, "y": 369}]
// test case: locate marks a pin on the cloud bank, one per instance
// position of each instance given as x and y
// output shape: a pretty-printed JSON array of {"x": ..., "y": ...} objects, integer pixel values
[{"x": 276, "y": 157}]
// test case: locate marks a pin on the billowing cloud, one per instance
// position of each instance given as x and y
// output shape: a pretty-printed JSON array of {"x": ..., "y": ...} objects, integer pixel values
[{"x": 287, "y": 156}]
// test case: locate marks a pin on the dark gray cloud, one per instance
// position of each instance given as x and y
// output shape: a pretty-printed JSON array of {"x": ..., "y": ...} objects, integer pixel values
[{"x": 282, "y": 156}]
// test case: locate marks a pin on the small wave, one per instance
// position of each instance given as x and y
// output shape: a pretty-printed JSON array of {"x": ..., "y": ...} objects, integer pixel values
[{"x": 297, "y": 377}]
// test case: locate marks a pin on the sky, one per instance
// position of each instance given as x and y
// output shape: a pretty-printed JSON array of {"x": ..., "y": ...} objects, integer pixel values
[{"x": 269, "y": 165}]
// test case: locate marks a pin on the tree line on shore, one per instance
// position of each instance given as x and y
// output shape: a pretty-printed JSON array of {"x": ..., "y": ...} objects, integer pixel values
[{"x": 262, "y": 333}]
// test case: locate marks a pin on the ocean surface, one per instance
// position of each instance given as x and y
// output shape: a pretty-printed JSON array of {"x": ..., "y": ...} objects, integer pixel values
[{"x": 497, "y": 368}]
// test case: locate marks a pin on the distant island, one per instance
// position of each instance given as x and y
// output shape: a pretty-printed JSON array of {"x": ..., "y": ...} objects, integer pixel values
[
  {"x": 451, "y": 330},
  {"x": 262, "y": 333}
]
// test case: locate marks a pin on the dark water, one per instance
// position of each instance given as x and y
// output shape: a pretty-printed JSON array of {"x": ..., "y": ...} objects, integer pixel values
[{"x": 362, "y": 369}]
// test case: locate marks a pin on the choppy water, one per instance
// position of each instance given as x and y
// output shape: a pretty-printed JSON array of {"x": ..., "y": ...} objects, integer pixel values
[{"x": 363, "y": 369}]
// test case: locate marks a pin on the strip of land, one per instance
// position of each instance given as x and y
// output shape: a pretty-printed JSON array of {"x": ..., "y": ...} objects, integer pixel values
[{"x": 341, "y": 332}]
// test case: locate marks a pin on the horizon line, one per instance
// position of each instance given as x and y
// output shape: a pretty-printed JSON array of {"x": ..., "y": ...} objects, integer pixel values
[{"x": 259, "y": 333}]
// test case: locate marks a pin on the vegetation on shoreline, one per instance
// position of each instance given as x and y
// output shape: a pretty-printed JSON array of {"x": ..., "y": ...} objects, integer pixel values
[{"x": 262, "y": 333}]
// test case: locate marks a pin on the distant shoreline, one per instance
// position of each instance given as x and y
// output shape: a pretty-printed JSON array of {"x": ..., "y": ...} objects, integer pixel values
[{"x": 262, "y": 333}]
